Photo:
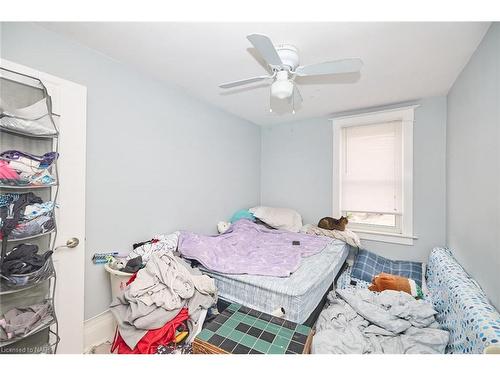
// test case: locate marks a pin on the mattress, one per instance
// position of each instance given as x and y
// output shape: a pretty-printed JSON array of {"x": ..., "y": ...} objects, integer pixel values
[{"x": 298, "y": 294}]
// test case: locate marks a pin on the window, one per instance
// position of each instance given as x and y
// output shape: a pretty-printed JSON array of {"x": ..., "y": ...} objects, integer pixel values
[{"x": 373, "y": 170}]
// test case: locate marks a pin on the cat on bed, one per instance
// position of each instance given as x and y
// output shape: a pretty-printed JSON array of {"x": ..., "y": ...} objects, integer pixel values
[{"x": 333, "y": 224}]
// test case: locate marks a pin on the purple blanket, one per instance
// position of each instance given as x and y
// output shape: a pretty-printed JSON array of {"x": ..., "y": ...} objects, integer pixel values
[{"x": 249, "y": 248}]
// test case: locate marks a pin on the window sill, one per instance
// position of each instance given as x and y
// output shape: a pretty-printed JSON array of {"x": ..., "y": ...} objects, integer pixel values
[{"x": 396, "y": 238}]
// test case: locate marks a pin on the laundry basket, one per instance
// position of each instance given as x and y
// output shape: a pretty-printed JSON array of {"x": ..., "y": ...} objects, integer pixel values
[{"x": 118, "y": 280}]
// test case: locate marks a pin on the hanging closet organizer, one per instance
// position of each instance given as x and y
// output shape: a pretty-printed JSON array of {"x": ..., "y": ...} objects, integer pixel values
[{"x": 29, "y": 187}]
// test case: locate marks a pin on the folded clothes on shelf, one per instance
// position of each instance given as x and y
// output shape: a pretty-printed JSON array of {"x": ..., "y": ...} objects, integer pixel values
[
  {"x": 23, "y": 259},
  {"x": 24, "y": 215},
  {"x": 38, "y": 209},
  {"x": 23, "y": 168},
  {"x": 21, "y": 321},
  {"x": 41, "y": 224},
  {"x": 7, "y": 173}
]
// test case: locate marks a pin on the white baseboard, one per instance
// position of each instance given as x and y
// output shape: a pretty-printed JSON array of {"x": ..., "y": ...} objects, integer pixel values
[{"x": 98, "y": 330}]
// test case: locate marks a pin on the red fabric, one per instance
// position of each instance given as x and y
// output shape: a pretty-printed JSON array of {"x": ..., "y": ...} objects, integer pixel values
[
  {"x": 151, "y": 340},
  {"x": 132, "y": 278}
]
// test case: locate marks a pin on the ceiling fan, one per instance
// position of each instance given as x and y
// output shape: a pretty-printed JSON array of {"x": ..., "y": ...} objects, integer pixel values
[{"x": 283, "y": 61}]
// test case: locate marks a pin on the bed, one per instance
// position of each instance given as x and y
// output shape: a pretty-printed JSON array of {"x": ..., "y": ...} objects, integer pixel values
[{"x": 299, "y": 294}]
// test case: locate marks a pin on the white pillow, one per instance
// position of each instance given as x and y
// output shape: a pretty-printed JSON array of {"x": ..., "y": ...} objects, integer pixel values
[{"x": 279, "y": 218}]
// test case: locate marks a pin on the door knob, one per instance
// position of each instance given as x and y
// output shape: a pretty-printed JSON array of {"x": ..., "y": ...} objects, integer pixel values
[{"x": 71, "y": 243}]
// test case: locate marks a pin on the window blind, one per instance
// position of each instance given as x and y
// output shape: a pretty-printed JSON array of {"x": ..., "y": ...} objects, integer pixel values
[{"x": 372, "y": 168}]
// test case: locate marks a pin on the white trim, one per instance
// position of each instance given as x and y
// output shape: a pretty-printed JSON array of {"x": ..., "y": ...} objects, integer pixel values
[
  {"x": 98, "y": 330},
  {"x": 373, "y": 228},
  {"x": 386, "y": 237},
  {"x": 400, "y": 113},
  {"x": 406, "y": 116}
]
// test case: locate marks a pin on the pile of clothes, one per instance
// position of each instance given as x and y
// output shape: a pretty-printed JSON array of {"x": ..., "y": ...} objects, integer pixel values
[
  {"x": 163, "y": 301},
  {"x": 142, "y": 251},
  {"x": 18, "y": 168},
  {"x": 24, "y": 214},
  {"x": 359, "y": 321},
  {"x": 157, "y": 243},
  {"x": 21, "y": 321}
]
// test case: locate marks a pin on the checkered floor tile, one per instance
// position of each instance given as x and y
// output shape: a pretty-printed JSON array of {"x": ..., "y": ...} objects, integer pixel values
[{"x": 240, "y": 330}]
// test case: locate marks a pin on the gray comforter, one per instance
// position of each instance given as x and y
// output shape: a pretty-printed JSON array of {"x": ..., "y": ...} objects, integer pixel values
[{"x": 359, "y": 321}]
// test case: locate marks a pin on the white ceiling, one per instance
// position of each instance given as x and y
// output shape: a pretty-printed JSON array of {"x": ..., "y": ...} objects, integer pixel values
[{"x": 402, "y": 61}]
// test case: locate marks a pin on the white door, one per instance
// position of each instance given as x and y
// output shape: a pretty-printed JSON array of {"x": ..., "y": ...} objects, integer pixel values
[{"x": 69, "y": 102}]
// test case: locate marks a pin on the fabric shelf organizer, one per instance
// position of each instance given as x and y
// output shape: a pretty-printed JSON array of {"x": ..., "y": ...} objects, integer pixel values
[{"x": 35, "y": 119}]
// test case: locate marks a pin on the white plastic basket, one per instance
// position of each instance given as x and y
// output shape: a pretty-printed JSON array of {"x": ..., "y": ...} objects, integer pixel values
[{"x": 117, "y": 279}]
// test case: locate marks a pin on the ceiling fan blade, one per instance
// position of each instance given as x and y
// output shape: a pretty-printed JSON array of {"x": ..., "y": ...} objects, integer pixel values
[
  {"x": 266, "y": 48},
  {"x": 228, "y": 85},
  {"x": 330, "y": 67}
]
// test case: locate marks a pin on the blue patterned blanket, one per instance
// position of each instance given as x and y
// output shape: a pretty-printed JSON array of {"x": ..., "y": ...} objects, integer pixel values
[{"x": 463, "y": 308}]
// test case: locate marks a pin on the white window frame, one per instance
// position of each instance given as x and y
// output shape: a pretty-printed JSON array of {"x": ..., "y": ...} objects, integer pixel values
[{"x": 406, "y": 116}]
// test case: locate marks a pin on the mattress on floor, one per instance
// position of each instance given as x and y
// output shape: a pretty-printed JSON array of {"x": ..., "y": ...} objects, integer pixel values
[{"x": 298, "y": 294}]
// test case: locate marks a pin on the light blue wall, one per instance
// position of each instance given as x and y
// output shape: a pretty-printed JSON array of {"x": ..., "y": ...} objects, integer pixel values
[
  {"x": 297, "y": 172},
  {"x": 473, "y": 165},
  {"x": 201, "y": 163},
  {"x": 158, "y": 160}
]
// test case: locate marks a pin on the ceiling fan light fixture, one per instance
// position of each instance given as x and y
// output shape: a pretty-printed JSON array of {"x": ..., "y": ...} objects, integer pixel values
[
  {"x": 283, "y": 63},
  {"x": 282, "y": 88}
]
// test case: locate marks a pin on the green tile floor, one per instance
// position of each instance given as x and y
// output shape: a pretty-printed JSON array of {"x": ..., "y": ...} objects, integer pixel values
[{"x": 241, "y": 330}]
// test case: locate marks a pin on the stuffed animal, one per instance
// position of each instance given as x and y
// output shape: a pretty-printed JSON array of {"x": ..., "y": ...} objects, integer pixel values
[
  {"x": 222, "y": 226},
  {"x": 333, "y": 224},
  {"x": 386, "y": 281}
]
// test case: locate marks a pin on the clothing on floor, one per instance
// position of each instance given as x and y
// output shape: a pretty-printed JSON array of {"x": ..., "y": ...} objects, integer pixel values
[
  {"x": 359, "y": 321},
  {"x": 154, "y": 338},
  {"x": 157, "y": 293},
  {"x": 135, "y": 319},
  {"x": 175, "y": 349},
  {"x": 166, "y": 282}
]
